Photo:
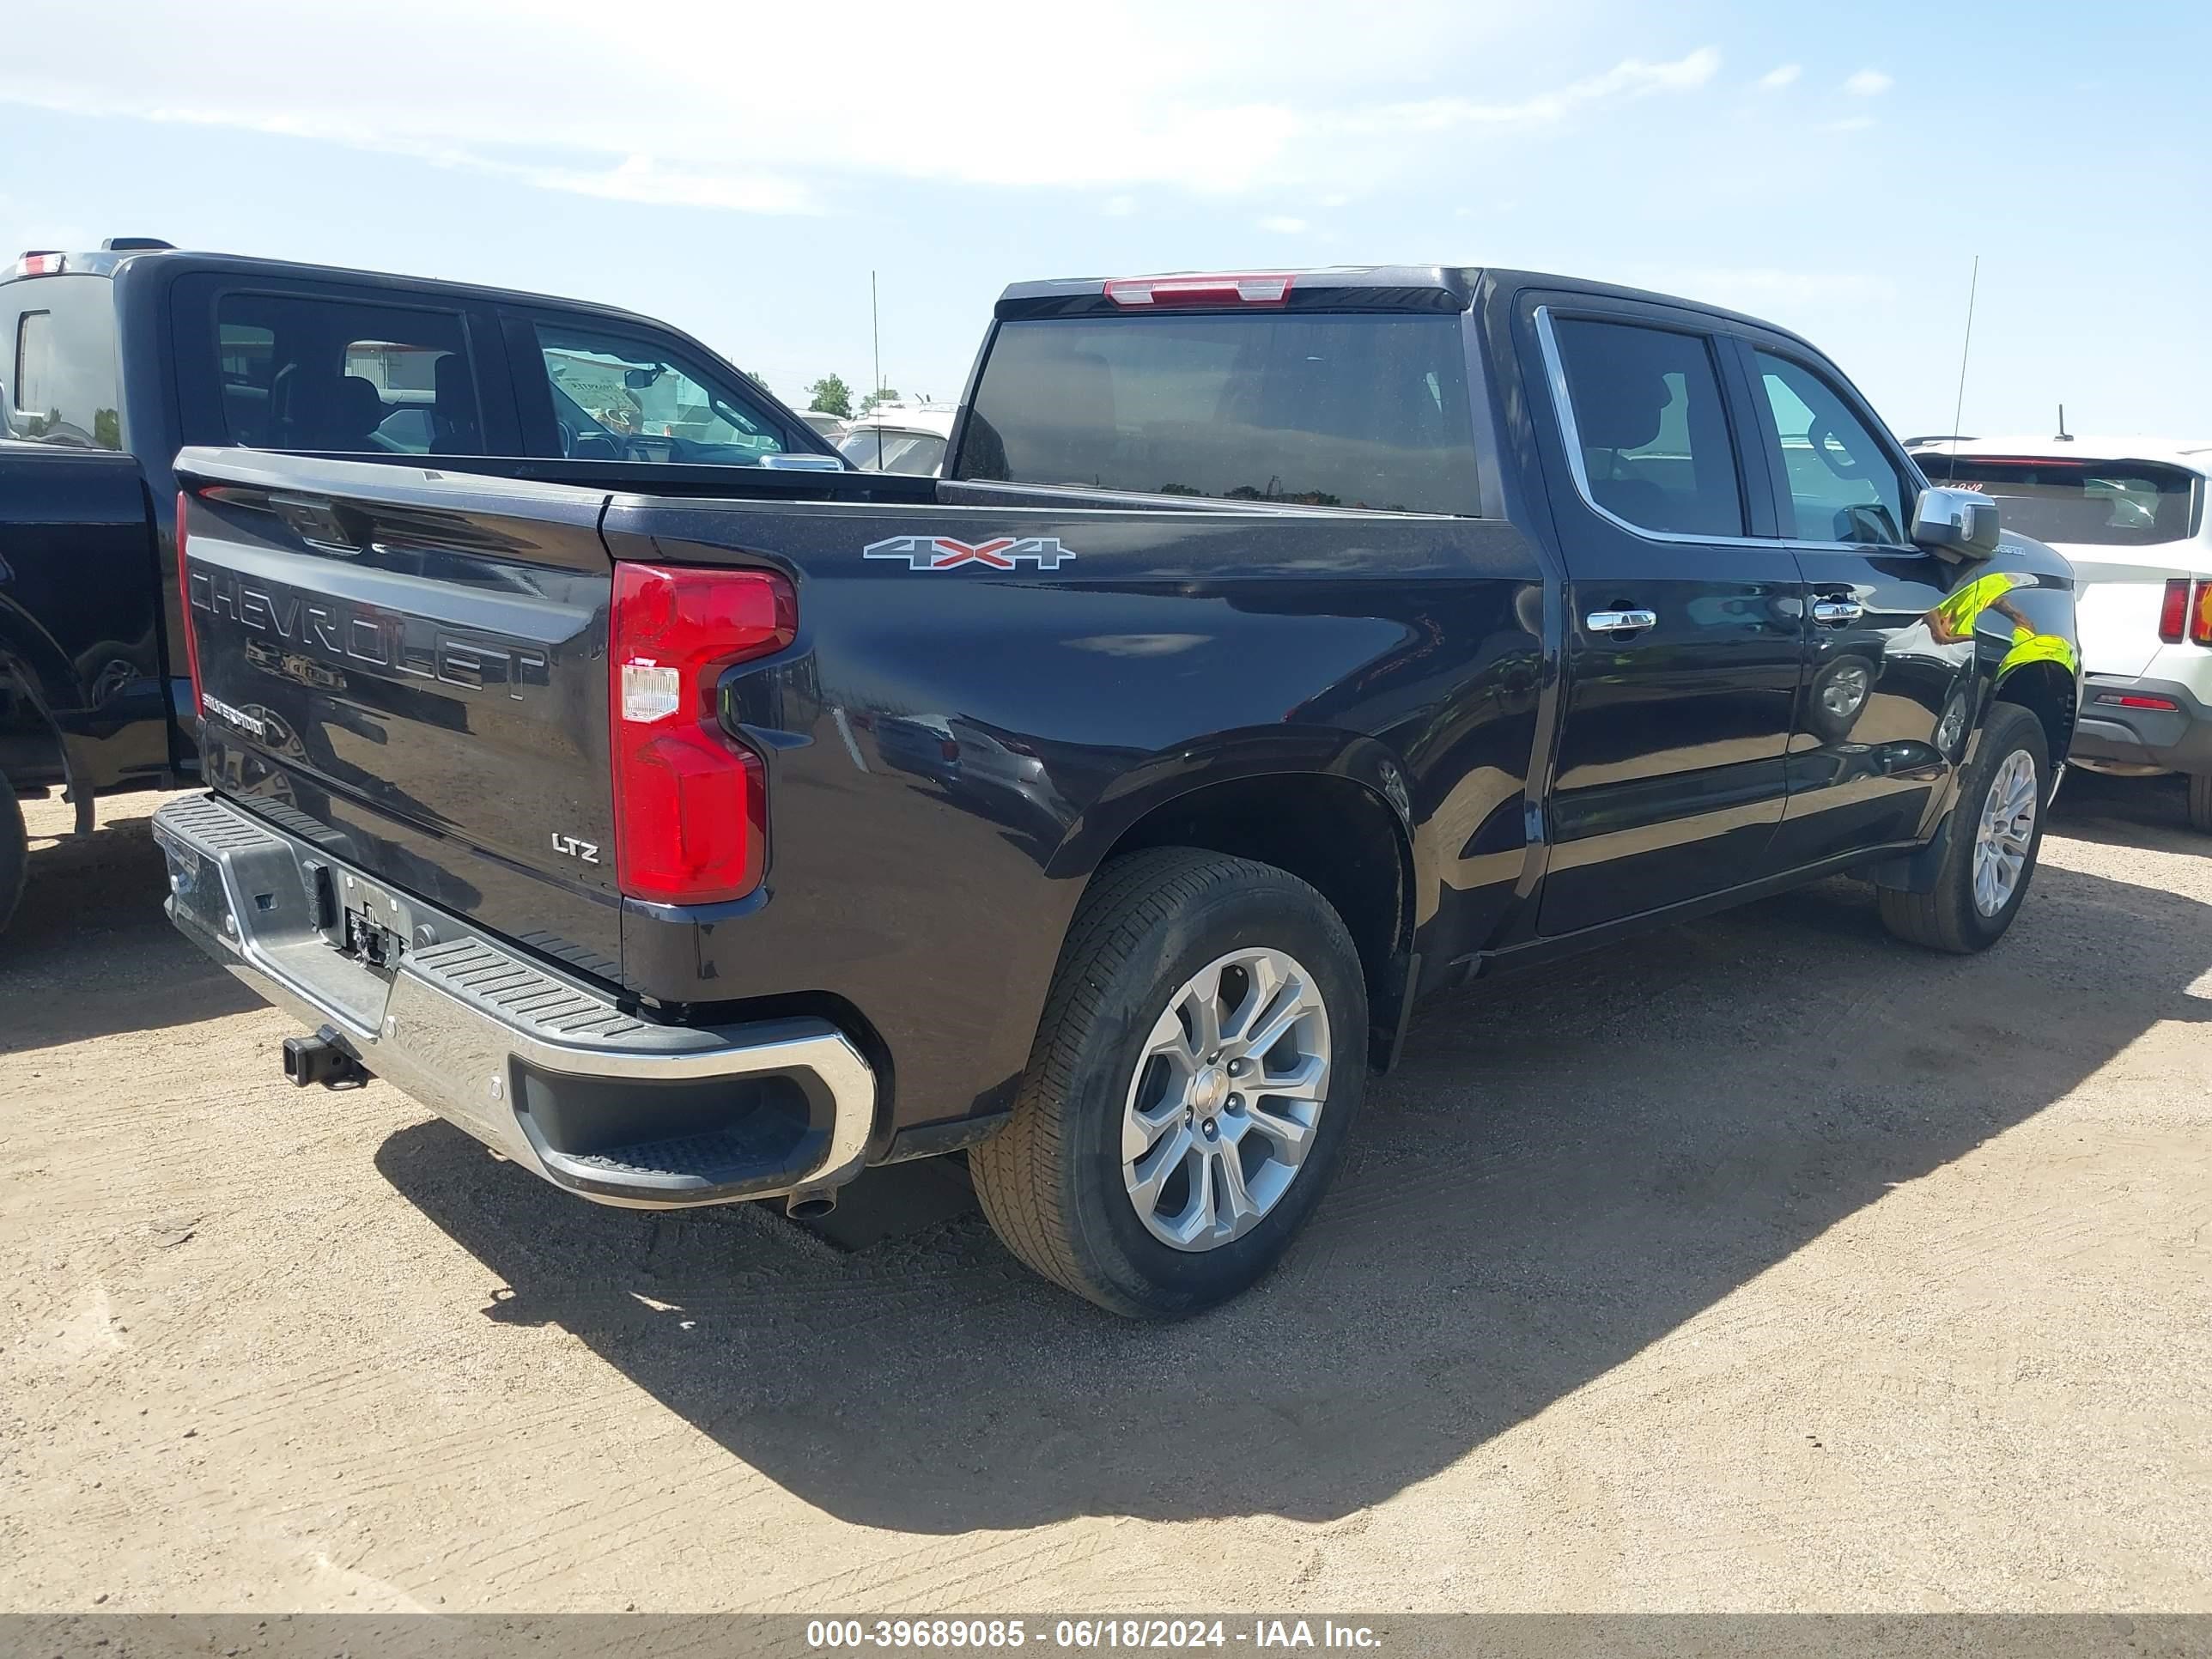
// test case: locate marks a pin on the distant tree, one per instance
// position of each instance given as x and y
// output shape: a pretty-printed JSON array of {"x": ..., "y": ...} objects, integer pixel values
[
  {"x": 889, "y": 394},
  {"x": 831, "y": 396},
  {"x": 759, "y": 380}
]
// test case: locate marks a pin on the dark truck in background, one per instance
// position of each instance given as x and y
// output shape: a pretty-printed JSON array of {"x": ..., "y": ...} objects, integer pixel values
[
  {"x": 111, "y": 361},
  {"x": 1277, "y": 648}
]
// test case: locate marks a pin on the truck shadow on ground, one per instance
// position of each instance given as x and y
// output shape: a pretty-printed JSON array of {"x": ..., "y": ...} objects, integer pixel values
[
  {"x": 1568, "y": 1165},
  {"x": 2151, "y": 812},
  {"x": 90, "y": 953}
]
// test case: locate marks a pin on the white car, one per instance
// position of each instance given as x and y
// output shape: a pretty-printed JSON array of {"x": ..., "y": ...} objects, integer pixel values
[
  {"x": 2130, "y": 515},
  {"x": 907, "y": 438}
]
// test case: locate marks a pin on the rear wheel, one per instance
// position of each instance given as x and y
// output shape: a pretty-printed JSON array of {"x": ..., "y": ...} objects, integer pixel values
[
  {"x": 1202, "y": 1052},
  {"x": 1996, "y": 834},
  {"x": 14, "y": 853},
  {"x": 2199, "y": 802}
]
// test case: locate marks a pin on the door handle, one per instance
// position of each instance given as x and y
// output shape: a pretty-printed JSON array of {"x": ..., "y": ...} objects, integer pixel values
[
  {"x": 1620, "y": 622},
  {"x": 1834, "y": 611}
]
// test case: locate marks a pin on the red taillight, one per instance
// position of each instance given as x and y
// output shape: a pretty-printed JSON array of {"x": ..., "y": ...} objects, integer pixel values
[
  {"x": 2130, "y": 700},
  {"x": 184, "y": 606},
  {"x": 1219, "y": 289},
  {"x": 2200, "y": 615},
  {"x": 691, "y": 803},
  {"x": 2173, "y": 615},
  {"x": 42, "y": 264}
]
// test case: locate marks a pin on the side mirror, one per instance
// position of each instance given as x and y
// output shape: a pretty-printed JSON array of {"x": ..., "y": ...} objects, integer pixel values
[{"x": 1956, "y": 523}]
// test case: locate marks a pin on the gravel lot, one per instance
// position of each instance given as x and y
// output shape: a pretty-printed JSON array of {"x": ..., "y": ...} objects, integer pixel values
[{"x": 1763, "y": 1264}]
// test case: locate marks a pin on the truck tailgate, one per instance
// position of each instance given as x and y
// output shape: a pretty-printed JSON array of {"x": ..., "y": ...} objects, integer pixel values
[{"x": 410, "y": 666}]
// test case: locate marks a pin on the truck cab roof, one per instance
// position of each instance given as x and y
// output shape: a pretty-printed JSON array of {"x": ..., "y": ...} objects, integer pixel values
[
  {"x": 110, "y": 261},
  {"x": 1361, "y": 288}
]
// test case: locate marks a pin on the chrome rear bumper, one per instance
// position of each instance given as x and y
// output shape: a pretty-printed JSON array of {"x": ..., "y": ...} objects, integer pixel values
[{"x": 538, "y": 1065}]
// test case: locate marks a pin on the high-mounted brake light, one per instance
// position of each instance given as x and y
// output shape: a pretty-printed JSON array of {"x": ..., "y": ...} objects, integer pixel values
[
  {"x": 2200, "y": 616},
  {"x": 690, "y": 802},
  {"x": 2173, "y": 613},
  {"x": 1218, "y": 289},
  {"x": 184, "y": 592},
  {"x": 39, "y": 262}
]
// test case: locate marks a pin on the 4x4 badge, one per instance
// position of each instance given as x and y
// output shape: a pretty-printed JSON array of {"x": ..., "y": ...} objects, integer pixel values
[{"x": 943, "y": 553}]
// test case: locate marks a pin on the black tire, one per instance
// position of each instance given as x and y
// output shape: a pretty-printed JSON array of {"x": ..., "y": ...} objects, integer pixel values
[
  {"x": 1947, "y": 918},
  {"x": 15, "y": 854},
  {"x": 2200, "y": 801},
  {"x": 1051, "y": 1181}
]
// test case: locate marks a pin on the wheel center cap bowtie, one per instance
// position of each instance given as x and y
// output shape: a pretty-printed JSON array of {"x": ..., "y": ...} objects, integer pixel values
[{"x": 1209, "y": 1088}]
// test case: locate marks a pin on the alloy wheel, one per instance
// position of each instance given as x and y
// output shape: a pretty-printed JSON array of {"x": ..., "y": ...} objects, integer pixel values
[{"x": 1226, "y": 1098}]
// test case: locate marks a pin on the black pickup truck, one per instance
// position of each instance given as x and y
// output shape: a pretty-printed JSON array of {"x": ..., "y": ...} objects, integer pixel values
[
  {"x": 111, "y": 361},
  {"x": 1277, "y": 648}
]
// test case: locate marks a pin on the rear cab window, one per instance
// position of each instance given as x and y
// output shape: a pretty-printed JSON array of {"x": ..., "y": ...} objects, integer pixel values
[
  {"x": 2087, "y": 502},
  {"x": 1315, "y": 408}
]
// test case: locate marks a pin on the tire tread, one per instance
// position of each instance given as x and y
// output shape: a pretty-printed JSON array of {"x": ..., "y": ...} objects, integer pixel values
[
  {"x": 1019, "y": 1173},
  {"x": 1936, "y": 920}
]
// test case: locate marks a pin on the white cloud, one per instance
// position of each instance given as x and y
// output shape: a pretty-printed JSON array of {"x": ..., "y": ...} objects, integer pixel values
[
  {"x": 641, "y": 178},
  {"x": 588, "y": 102},
  {"x": 1852, "y": 123},
  {"x": 1631, "y": 78},
  {"x": 1781, "y": 75},
  {"x": 1282, "y": 224},
  {"x": 1868, "y": 83},
  {"x": 1119, "y": 207}
]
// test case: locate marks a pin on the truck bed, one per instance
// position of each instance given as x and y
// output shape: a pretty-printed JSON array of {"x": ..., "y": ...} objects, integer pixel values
[{"x": 410, "y": 662}]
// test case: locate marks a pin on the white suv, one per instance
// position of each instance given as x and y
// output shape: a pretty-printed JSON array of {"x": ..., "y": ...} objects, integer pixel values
[{"x": 2130, "y": 514}]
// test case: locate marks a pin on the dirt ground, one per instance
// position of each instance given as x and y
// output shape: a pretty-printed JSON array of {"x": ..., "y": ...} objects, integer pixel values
[{"x": 1763, "y": 1264}]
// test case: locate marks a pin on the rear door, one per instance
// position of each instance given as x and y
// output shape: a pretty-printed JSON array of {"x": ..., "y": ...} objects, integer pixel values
[
  {"x": 1884, "y": 667},
  {"x": 1684, "y": 627}
]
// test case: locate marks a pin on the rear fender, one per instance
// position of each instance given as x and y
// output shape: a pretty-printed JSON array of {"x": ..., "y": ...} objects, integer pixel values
[
  {"x": 1222, "y": 758},
  {"x": 1373, "y": 892}
]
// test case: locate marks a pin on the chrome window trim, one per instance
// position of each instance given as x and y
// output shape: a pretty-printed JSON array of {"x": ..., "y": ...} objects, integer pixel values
[{"x": 1563, "y": 409}]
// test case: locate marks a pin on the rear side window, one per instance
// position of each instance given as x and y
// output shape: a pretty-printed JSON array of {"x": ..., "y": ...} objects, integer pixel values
[
  {"x": 62, "y": 384},
  {"x": 1356, "y": 411},
  {"x": 2093, "y": 503},
  {"x": 1650, "y": 427},
  {"x": 300, "y": 372}
]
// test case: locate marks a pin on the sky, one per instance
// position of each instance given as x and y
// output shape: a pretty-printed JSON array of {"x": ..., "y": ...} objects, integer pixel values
[{"x": 741, "y": 171}]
